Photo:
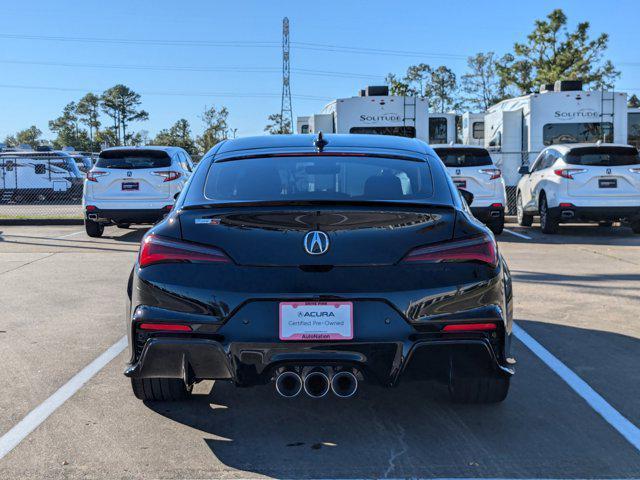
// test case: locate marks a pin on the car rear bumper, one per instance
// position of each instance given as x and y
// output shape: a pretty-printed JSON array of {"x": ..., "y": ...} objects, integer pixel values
[
  {"x": 246, "y": 349},
  {"x": 607, "y": 213},
  {"x": 137, "y": 216},
  {"x": 488, "y": 213}
]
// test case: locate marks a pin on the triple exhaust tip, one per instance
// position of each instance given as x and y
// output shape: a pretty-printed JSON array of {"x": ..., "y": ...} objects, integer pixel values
[{"x": 316, "y": 383}]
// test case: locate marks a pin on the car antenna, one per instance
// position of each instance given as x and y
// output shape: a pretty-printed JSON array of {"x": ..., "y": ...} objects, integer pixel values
[{"x": 320, "y": 142}]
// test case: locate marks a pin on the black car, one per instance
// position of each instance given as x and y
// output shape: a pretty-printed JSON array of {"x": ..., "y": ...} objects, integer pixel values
[{"x": 317, "y": 263}]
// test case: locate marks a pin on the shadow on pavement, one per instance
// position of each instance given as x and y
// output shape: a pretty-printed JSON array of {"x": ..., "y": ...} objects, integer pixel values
[
  {"x": 542, "y": 430},
  {"x": 583, "y": 234}
]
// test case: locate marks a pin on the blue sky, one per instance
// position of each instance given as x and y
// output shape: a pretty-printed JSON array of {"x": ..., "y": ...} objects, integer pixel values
[{"x": 222, "y": 53}]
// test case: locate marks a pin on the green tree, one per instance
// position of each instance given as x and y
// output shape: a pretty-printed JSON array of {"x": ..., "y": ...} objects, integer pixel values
[
  {"x": 30, "y": 136},
  {"x": 216, "y": 127},
  {"x": 276, "y": 126},
  {"x": 481, "y": 86},
  {"x": 552, "y": 52},
  {"x": 121, "y": 104},
  {"x": 441, "y": 90},
  {"x": 68, "y": 131},
  {"x": 88, "y": 112},
  {"x": 178, "y": 135},
  {"x": 397, "y": 86},
  {"x": 439, "y": 86}
]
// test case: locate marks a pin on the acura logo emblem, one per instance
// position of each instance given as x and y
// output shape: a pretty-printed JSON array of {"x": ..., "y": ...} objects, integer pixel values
[
  {"x": 129, "y": 174},
  {"x": 316, "y": 243},
  {"x": 608, "y": 171}
]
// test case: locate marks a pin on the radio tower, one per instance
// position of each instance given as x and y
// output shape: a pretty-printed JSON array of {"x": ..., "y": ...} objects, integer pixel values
[{"x": 286, "y": 112}]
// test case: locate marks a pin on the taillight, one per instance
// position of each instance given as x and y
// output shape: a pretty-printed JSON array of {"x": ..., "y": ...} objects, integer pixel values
[
  {"x": 91, "y": 208},
  {"x": 469, "y": 327},
  {"x": 168, "y": 175},
  {"x": 568, "y": 172},
  {"x": 566, "y": 205},
  {"x": 164, "y": 327},
  {"x": 156, "y": 249},
  {"x": 634, "y": 170},
  {"x": 93, "y": 175},
  {"x": 492, "y": 172},
  {"x": 477, "y": 249}
]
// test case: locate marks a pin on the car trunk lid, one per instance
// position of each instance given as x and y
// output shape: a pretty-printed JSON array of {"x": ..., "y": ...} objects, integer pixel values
[{"x": 366, "y": 235}]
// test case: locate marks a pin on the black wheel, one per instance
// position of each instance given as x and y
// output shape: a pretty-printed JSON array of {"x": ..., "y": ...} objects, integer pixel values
[
  {"x": 480, "y": 389},
  {"x": 160, "y": 389},
  {"x": 497, "y": 225},
  {"x": 524, "y": 219},
  {"x": 94, "y": 229},
  {"x": 123, "y": 225},
  {"x": 548, "y": 223},
  {"x": 605, "y": 224}
]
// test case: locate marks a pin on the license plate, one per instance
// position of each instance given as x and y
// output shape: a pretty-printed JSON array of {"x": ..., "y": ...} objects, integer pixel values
[
  {"x": 130, "y": 186},
  {"x": 460, "y": 183},
  {"x": 608, "y": 183},
  {"x": 311, "y": 321}
]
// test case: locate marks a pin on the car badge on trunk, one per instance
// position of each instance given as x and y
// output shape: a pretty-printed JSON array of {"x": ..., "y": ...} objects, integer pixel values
[
  {"x": 316, "y": 243},
  {"x": 129, "y": 174}
]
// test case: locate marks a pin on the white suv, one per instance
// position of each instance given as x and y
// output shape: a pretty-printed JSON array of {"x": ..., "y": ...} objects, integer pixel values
[
  {"x": 133, "y": 185},
  {"x": 472, "y": 169},
  {"x": 581, "y": 182}
]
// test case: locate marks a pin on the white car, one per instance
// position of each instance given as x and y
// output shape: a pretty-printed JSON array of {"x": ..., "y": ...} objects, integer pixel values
[
  {"x": 581, "y": 182},
  {"x": 472, "y": 169},
  {"x": 130, "y": 185}
]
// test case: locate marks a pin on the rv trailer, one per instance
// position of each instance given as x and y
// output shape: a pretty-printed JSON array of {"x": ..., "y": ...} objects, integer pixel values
[
  {"x": 34, "y": 177},
  {"x": 374, "y": 111},
  {"x": 517, "y": 129},
  {"x": 472, "y": 129}
]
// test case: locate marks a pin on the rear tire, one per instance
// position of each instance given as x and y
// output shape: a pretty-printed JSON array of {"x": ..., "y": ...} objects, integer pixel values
[
  {"x": 548, "y": 223},
  {"x": 524, "y": 219},
  {"x": 480, "y": 389},
  {"x": 93, "y": 229},
  {"x": 160, "y": 389},
  {"x": 497, "y": 226}
]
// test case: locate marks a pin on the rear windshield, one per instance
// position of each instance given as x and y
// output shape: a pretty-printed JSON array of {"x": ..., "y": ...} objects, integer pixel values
[
  {"x": 603, "y": 156},
  {"x": 464, "y": 157},
  {"x": 319, "y": 178},
  {"x": 133, "y": 159}
]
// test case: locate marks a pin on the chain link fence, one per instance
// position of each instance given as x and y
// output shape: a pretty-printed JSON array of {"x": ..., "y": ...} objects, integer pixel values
[
  {"x": 42, "y": 185},
  {"x": 48, "y": 185}
]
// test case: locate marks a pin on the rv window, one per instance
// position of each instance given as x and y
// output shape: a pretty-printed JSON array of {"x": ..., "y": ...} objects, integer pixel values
[
  {"x": 132, "y": 159},
  {"x": 633, "y": 127},
  {"x": 603, "y": 156},
  {"x": 478, "y": 130},
  {"x": 464, "y": 157},
  {"x": 319, "y": 178},
  {"x": 304, "y": 129},
  {"x": 397, "y": 131},
  {"x": 40, "y": 169},
  {"x": 555, "y": 133},
  {"x": 438, "y": 130}
]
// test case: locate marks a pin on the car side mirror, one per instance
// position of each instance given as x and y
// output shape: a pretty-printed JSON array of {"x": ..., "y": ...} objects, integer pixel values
[
  {"x": 467, "y": 195},
  {"x": 524, "y": 170}
]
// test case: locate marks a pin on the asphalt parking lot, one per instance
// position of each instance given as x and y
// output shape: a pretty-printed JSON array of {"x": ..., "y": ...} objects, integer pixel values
[{"x": 62, "y": 299}]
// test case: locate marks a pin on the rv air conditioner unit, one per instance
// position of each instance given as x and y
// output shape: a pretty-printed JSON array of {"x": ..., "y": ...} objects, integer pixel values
[
  {"x": 363, "y": 93},
  {"x": 378, "y": 91},
  {"x": 568, "y": 85}
]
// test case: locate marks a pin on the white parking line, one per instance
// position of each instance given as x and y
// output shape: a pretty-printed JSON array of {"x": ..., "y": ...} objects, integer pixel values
[
  {"x": 614, "y": 418},
  {"x": 516, "y": 234},
  {"x": 70, "y": 234},
  {"x": 28, "y": 424}
]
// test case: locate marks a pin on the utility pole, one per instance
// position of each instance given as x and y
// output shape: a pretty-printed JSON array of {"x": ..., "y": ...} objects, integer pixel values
[{"x": 286, "y": 112}]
